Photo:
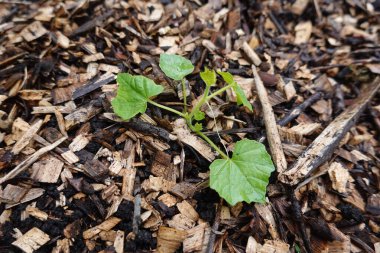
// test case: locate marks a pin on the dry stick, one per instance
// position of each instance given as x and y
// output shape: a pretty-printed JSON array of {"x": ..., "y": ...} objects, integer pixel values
[
  {"x": 31, "y": 159},
  {"x": 251, "y": 54},
  {"x": 270, "y": 125},
  {"x": 294, "y": 113},
  {"x": 323, "y": 146}
]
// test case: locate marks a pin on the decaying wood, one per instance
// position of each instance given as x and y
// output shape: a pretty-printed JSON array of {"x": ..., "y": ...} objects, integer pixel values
[
  {"x": 169, "y": 239},
  {"x": 31, "y": 159},
  {"x": 270, "y": 125},
  {"x": 323, "y": 146}
]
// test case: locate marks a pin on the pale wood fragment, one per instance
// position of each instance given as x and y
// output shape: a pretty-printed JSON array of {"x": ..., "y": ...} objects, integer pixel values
[
  {"x": 252, "y": 245},
  {"x": 169, "y": 239},
  {"x": 184, "y": 135},
  {"x": 270, "y": 125},
  {"x": 188, "y": 210},
  {"x": 157, "y": 184},
  {"x": 30, "y": 195},
  {"x": 195, "y": 238},
  {"x": 274, "y": 246},
  {"x": 13, "y": 194},
  {"x": 323, "y": 146},
  {"x": 25, "y": 139},
  {"x": 31, "y": 159},
  {"x": 33, "y": 31},
  {"x": 251, "y": 54},
  {"x": 119, "y": 241},
  {"x": 31, "y": 240},
  {"x": 106, "y": 225},
  {"x": 339, "y": 177},
  {"x": 266, "y": 212},
  {"x": 79, "y": 143},
  {"x": 47, "y": 170},
  {"x": 70, "y": 157}
]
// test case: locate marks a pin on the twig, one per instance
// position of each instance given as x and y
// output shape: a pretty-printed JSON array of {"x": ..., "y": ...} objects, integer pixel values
[
  {"x": 300, "y": 223},
  {"x": 323, "y": 146},
  {"x": 215, "y": 227},
  {"x": 270, "y": 125},
  {"x": 141, "y": 126},
  {"x": 31, "y": 159},
  {"x": 295, "y": 112},
  {"x": 136, "y": 214},
  {"x": 251, "y": 54},
  {"x": 233, "y": 131},
  {"x": 278, "y": 25}
]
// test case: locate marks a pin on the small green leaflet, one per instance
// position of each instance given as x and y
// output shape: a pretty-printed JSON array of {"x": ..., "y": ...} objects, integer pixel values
[
  {"x": 199, "y": 115},
  {"x": 198, "y": 127},
  {"x": 133, "y": 94},
  {"x": 208, "y": 76},
  {"x": 241, "y": 99},
  {"x": 245, "y": 176},
  {"x": 175, "y": 66}
]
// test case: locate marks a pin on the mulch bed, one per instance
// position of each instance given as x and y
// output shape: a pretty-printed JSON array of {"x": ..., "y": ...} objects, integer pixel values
[{"x": 75, "y": 178}]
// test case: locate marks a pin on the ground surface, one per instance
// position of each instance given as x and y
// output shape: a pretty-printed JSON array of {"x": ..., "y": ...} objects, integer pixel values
[{"x": 87, "y": 182}]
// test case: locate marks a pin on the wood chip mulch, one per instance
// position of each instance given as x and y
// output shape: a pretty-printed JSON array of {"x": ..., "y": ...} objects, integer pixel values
[{"x": 75, "y": 178}]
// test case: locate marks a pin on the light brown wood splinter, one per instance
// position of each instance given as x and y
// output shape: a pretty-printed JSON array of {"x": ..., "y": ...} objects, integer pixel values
[{"x": 270, "y": 125}]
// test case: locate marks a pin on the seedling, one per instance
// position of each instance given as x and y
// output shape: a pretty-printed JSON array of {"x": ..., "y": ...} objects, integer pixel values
[{"x": 242, "y": 177}]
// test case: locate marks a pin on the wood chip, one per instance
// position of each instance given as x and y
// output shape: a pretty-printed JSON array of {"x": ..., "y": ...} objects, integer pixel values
[
  {"x": 47, "y": 170},
  {"x": 169, "y": 239},
  {"x": 185, "y": 136},
  {"x": 31, "y": 240}
]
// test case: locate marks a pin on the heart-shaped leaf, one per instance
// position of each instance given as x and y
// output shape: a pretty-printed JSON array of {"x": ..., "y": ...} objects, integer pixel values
[
  {"x": 174, "y": 66},
  {"x": 245, "y": 176},
  {"x": 208, "y": 76},
  {"x": 241, "y": 99},
  {"x": 133, "y": 94}
]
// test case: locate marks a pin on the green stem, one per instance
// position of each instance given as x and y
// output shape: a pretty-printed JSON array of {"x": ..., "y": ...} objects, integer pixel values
[
  {"x": 168, "y": 109},
  {"x": 184, "y": 94},
  {"x": 200, "y": 103},
  {"x": 218, "y": 92},
  {"x": 212, "y": 144}
]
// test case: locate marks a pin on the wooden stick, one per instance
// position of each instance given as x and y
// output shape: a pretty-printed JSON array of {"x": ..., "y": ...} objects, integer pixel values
[
  {"x": 31, "y": 159},
  {"x": 251, "y": 54},
  {"x": 270, "y": 125},
  {"x": 323, "y": 146}
]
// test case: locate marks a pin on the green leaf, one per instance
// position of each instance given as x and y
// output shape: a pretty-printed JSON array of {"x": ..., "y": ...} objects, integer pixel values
[
  {"x": 245, "y": 176},
  {"x": 175, "y": 66},
  {"x": 198, "y": 127},
  {"x": 241, "y": 99},
  {"x": 133, "y": 94},
  {"x": 208, "y": 76},
  {"x": 199, "y": 115}
]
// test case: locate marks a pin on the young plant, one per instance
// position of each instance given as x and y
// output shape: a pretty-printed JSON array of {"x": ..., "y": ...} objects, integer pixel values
[{"x": 242, "y": 177}]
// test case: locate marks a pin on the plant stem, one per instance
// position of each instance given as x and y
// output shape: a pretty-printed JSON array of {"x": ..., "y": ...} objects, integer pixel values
[
  {"x": 184, "y": 94},
  {"x": 212, "y": 144},
  {"x": 167, "y": 108},
  {"x": 218, "y": 92},
  {"x": 200, "y": 103}
]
